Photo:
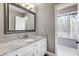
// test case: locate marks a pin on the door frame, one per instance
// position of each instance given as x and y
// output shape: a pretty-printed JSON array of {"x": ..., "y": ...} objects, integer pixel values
[{"x": 58, "y": 7}]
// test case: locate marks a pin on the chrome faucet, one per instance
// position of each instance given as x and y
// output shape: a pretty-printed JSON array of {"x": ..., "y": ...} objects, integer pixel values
[{"x": 23, "y": 36}]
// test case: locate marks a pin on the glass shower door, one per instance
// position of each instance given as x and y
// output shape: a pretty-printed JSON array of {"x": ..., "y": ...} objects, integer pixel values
[
  {"x": 62, "y": 26},
  {"x": 67, "y": 30},
  {"x": 74, "y": 31},
  {"x": 62, "y": 32},
  {"x": 73, "y": 25}
]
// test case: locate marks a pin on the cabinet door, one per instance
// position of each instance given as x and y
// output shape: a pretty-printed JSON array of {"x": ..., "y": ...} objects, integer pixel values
[
  {"x": 44, "y": 46},
  {"x": 29, "y": 50},
  {"x": 30, "y": 53},
  {"x": 39, "y": 51},
  {"x": 22, "y": 51},
  {"x": 35, "y": 52},
  {"x": 39, "y": 48}
]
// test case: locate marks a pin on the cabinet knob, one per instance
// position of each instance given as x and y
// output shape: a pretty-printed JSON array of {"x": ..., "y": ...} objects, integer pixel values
[{"x": 16, "y": 55}]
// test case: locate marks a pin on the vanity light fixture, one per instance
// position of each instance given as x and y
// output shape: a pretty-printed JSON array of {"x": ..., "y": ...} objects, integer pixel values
[{"x": 26, "y": 5}]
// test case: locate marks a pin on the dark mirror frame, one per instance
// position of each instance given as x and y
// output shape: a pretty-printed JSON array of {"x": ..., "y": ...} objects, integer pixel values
[{"x": 6, "y": 19}]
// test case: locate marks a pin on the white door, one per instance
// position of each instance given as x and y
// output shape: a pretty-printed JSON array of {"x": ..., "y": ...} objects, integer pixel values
[{"x": 20, "y": 23}]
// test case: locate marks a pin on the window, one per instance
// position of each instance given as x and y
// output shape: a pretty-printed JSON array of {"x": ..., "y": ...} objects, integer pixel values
[
  {"x": 62, "y": 24},
  {"x": 73, "y": 24},
  {"x": 67, "y": 25}
]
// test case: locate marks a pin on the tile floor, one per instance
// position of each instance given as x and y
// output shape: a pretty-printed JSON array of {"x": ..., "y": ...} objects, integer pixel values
[{"x": 66, "y": 51}]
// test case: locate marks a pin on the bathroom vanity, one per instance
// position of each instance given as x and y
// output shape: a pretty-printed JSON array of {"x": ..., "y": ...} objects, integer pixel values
[
  {"x": 35, "y": 46},
  {"x": 18, "y": 19}
]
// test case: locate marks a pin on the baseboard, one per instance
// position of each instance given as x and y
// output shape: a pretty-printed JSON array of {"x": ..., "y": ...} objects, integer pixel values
[{"x": 50, "y": 54}]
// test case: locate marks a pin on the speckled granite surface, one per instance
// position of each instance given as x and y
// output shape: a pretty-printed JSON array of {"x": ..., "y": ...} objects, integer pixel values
[{"x": 9, "y": 46}]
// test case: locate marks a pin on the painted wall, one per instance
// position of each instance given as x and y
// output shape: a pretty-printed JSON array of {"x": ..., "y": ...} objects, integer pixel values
[{"x": 46, "y": 23}]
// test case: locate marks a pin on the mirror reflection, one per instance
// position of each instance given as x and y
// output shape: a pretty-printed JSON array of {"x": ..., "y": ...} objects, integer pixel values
[{"x": 20, "y": 19}]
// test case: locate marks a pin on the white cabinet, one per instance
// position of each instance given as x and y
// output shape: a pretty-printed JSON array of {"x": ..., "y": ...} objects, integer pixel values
[
  {"x": 38, "y": 48},
  {"x": 29, "y": 53},
  {"x": 44, "y": 46},
  {"x": 29, "y": 50},
  {"x": 18, "y": 52}
]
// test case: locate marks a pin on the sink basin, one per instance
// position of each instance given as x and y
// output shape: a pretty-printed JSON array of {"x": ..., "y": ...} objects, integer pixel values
[{"x": 29, "y": 40}]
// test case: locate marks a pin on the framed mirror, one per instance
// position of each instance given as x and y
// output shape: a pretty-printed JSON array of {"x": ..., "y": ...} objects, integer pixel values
[{"x": 18, "y": 19}]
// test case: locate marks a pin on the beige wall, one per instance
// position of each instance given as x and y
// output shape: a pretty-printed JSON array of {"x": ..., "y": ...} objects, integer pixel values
[{"x": 46, "y": 23}]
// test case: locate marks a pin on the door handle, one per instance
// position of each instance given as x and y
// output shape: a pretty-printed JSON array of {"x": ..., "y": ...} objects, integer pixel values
[{"x": 77, "y": 42}]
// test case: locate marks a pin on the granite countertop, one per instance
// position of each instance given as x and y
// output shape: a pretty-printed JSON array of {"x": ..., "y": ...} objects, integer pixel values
[{"x": 16, "y": 44}]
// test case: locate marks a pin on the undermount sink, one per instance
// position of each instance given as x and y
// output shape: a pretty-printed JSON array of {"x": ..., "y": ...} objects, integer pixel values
[{"x": 29, "y": 40}]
